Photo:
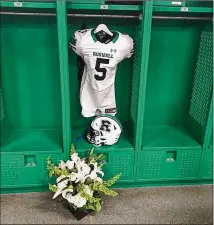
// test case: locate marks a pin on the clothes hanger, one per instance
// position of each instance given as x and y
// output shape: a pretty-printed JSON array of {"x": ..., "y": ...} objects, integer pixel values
[
  {"x": 102, "y": 33},
  {"x": 103, "y": 27}
]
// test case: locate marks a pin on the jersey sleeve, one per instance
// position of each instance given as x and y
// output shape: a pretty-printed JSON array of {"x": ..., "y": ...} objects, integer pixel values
[
  {"x": 130, "y": 47},
  {"x": 76, "y": 43}
]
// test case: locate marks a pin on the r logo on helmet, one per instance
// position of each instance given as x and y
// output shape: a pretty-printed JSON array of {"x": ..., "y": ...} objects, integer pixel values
[{"x": 105, "y": 125}]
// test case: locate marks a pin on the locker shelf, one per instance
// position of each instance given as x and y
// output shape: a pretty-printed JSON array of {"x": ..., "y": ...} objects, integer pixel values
[
  {"x": 81, "y": 143},
  {"x": 42, "y": 5},
  {"x": 98, "y": 6},
  {"x": 32, "y": 140},
  {"x": 169, "y": 136},
  {"x": 182, "y": 9}
]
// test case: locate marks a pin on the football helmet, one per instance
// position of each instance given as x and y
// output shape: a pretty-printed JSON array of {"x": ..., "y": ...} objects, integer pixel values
[{"x": 104, "y": 130}]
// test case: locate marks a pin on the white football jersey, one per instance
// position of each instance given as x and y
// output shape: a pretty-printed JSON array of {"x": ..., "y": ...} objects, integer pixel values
[{"x": 97, "y": 93}]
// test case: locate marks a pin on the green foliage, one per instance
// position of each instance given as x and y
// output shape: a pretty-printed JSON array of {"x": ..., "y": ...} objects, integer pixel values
[
  {"x": 72, "y": 150},
  {"x": 90, "y": 206},
  {"x": 98, "y": 206},
  {"x": 97, "y": 186},
  {"x": 53, "y": 188},
  {"x": 91, "y": 152},
  {"x": 93, "y": 203},
  {"x": 112, "y": 181},
  {"x": 92, "y": 158},
  {"x": 54, "y": 170},
  {"x": 70, "y": 187},
  {"x": 83, "y": 193}
]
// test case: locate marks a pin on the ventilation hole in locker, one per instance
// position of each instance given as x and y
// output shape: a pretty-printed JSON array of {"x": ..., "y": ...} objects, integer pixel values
[{"x": 202, "y": 85}]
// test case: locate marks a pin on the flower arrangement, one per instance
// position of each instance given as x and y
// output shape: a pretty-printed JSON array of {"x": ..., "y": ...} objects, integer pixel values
[{"x": 80, "y": 181}]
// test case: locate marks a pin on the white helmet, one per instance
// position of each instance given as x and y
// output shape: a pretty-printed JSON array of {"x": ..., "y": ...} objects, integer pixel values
[{"x": 104, "y": 130}]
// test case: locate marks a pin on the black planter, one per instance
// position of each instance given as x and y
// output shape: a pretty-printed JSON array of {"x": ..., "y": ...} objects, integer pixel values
[{"x": 79, "y": 213}]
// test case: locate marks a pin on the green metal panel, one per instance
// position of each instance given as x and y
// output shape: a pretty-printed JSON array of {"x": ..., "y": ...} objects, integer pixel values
[
  {"x": 21, "y": 140},
  {"x": 207, "y": 166},
  {"x": 30, "y": 71},
  {"x": 2, "y": 117},
  {"x": 169, "y": 164},
  {"x": 27, "y": 4},
  {"x": 20, "y": 170},
  {"x": 136, "y": 78},
  {"x": 30, "y": 82},
  {"x": 87, "y": 1},
  {"x": 117, "y": 162},
  {"x": 169, "y": 3},
  {"x": 183, "y": 9},
  {"x": 2, "y": 110},
  {"x": 169, "y": 85},
  {"x": 105, "y": 8},
  {"x": 184, "y": 3},
  {"x": 146, "y": 31},
  {"x": 64, "y": 75},
  {"x": 199, "y": 3},
  {"x": 202, "y": 86},
  {"x": 211, "y": 139}
]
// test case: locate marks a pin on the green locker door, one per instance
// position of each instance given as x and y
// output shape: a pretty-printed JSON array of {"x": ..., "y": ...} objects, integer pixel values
[{"x": 207, "y": 166}]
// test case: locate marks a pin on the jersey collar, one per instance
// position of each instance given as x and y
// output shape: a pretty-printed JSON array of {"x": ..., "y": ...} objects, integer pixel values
[{"x": 95, "y": 39}]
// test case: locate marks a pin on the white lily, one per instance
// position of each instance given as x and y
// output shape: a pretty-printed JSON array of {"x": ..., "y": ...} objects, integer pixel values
[
  {"x": 62, "y": 165},
  {"x": 70, "y": 164},
  {"x": 78, "y": 201},
  {"x": 73, "y": 176},
  {"x": 75, "y": 157},
  {"x": 62, "y": 182},
  {"x": 61, "y": 185},
  {"x": 80, "y": 177},
  {"x": 83, "y": 167},
  {"x": 69, "y": 198},
  {"x": 97, "y": 169},
  {"x": 93, "y": 175},
  {"x": 58, "y": 192},
  {"x": 66, "y": 192}
]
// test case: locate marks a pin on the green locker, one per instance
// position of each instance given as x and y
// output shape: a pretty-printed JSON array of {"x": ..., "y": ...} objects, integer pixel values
[
  {"x": 163, "y": 93},
  {"x": 31, "y": 84},
  {"x": 121, "y": 156},
  {"x": 31, "y": 92},
  {"x": 177, "y": 99},
  {"x": 179, "y": 86}
]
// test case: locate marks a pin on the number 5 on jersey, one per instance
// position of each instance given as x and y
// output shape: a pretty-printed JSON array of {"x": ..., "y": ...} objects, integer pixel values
[{"x": 101, "y": 70}]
